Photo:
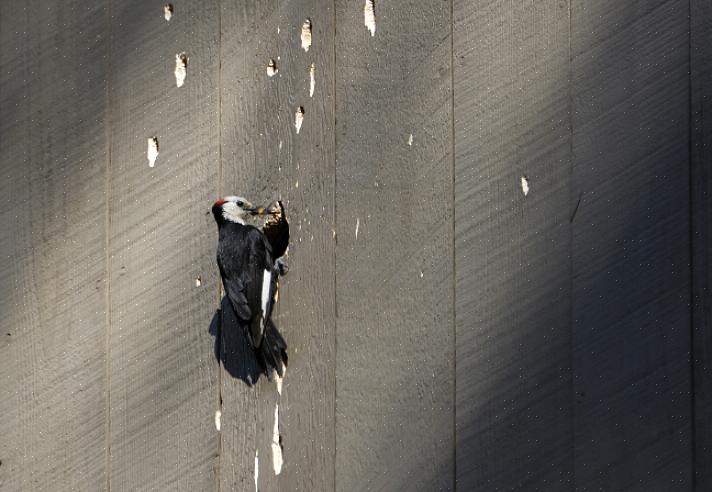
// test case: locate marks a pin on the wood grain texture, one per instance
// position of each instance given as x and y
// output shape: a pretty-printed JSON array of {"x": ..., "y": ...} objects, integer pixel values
[
  {"x": 631, "y": 257},
  {"x": 163, "y": 379},
  {"x": 513, "y": 295},
  {"x": 485, "y": 339},
  {"x": 701, "y": 237},
  {"x": 264, "y": 158},
  {"x": 395, "y": 354},
  {"x": 52, "y": 259},
  {"x": 249, "y": 107}
]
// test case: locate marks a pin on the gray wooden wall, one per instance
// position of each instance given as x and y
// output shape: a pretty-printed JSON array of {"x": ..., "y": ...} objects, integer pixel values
[{"x": 446, "y": 331}]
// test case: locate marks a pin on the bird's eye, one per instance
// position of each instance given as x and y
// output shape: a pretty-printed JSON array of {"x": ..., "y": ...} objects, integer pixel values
[{"x": 240, "y": 204}]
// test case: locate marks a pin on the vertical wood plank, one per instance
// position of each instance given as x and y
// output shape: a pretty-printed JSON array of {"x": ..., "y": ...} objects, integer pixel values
[
  {"x": 264, "y": 158},
  {"x": 163, "y": 379},
  {"x": 631, "y": 257},
  {"x": 249, "y": 109},
  {"x": 513, "y": 295},
  {"x": 395, "y": 355},
  {"x": 53, "y": 161},
  {"x": 701, "y": 237}
]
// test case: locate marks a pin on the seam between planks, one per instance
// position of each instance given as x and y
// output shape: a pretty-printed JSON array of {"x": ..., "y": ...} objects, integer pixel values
[
  {"x": 335, "y": 236},
  {"x": 453, "y": 245},
  {"x": 692, "y": 252},
  {"x": 107, "y": 247},
  {"x": 572, "y": 384},
  {"x": 218, "y": 468}
]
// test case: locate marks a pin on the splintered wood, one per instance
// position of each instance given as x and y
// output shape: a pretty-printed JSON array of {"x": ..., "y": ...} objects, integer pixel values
[
  {"x": 272, "y": 68},
  {"x": 306, "y": 34},
  {"x": 152, "y": 152},
  {"x": 369, "y": 16},
  {"x": 277, "y": 459},
  {"x": 181, "y": 69},
  {"x": 312, "y": 81},
  {"x": 299, "y": 118},
  {"x": 525, "y": 185},
  {"x": 257, "y": 470}
]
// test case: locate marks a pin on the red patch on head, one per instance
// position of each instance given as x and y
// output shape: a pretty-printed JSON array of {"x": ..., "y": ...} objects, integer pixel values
[{"x": 219, "y": 201}]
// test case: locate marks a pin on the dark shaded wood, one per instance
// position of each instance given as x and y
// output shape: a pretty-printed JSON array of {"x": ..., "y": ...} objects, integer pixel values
[
  {"x": 701, "y": 237},
  {"x": 163, "y": 378},
  {"x": 53, "y": 161},
  {"x": 631, "y": 257},
  {"x": 264, "y": 158},
  {"x": 512, "y": 260},
  {"x": 394, "y": 288}
]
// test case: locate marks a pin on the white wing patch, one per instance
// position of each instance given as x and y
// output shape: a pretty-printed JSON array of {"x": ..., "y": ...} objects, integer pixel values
[{"x": 266, "y": 282}]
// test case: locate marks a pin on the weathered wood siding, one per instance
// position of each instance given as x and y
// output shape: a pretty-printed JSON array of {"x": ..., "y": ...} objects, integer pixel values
[
  {"x": 395, "y": 352},
  {"x": 53, "y": 274},
  {"x": 513, "y": 249},
  {"x": 631, "y": 250},
  {"x": 265, "y": 157},
  {"x": 500, "y": 257},
  {"x": 162, "y": 378},
  {"x": 701, "y": 237}
]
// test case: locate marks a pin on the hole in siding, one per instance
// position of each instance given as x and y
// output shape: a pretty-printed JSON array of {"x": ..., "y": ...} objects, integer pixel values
[
  {"x": 312, "y": 81},
  {"x": 198, "y": 281},
  {"x": 306, "y": 34},
  {"x": 257, "y": 470},
  {"x": 277, "y": 447},
  {"x": 299, "y": 118},
  {"x": 181, "y": 69},
  {"x": 369, "y": 16},
  {"x": 168, "y": 11},
  {"x": 279, "y": 380},
  {"x": 152, "y": 152},
  {"x": 525, "y": 185},
  {"x": 272, "y": 68}
]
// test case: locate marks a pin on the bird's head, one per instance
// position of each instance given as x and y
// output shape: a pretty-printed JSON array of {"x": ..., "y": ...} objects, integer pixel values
[{"x": 233, "y": 209}]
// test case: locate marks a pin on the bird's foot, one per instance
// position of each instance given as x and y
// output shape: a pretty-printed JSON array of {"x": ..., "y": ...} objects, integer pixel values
[{"x": 282, "y": 267}]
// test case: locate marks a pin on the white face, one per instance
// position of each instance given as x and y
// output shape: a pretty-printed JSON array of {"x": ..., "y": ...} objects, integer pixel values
[{"x": 236, "y": 209}]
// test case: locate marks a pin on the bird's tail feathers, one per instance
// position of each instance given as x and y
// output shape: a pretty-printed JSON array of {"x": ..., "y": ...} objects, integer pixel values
[{"x": 273, "y": 350}]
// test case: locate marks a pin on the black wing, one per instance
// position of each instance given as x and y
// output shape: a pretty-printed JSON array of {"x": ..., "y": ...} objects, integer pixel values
[
  {"x": 277, "y": 231},
  {"x": 235, "y": 291},
  {"x": 243, "y": 272},
  {"x": 259, "y": 269}
]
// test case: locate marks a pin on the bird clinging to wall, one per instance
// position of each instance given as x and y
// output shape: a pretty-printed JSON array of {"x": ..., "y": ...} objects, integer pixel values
[{"x": 247, "y": 268}]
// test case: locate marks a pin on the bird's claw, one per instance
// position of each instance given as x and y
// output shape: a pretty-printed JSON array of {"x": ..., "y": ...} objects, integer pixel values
[{"x": 282, "y": 267}]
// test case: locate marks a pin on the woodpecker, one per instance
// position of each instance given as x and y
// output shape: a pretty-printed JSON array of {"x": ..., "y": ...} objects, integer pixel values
[
  {"x": 273, "y": 223},
  {"x": 247, "y": 268}
]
